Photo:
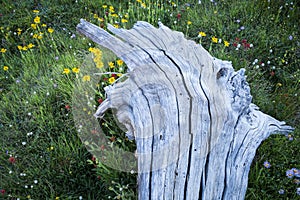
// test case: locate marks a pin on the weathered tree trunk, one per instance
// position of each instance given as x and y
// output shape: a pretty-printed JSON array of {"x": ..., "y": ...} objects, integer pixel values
[{"x": 190, "y": 114}]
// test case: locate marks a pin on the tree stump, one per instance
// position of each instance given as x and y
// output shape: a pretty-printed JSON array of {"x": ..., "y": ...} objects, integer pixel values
[{"x": 190, "y": 114}]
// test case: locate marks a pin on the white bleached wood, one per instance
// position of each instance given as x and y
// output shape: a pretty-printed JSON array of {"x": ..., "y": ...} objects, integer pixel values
[{"x": 190, "y": 114}]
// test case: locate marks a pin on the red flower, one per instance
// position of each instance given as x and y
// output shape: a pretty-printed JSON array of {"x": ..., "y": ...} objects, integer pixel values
[
  {"x": 93, "y": 159},
  {"x": 105, "y": 79},
  {"x": 246, "y": 45},
  {"x": 12, "y": 160},
  {"x": 114, "y": 75},
  {"x": 237, "y": 39},
  {"x": 2, "y": 191},
  {"x": 100, "y": 101},
  {"x": 244, "y": 41},
  {"x": 235, "y": 44},
  {"x": 67, "y": 107},
  {"x": 178, "y": 16},
  {"x": 272, "y": 73}
]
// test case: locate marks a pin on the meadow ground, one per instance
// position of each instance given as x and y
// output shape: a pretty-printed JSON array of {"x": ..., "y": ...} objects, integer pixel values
[{"x": 43, "y": 58}]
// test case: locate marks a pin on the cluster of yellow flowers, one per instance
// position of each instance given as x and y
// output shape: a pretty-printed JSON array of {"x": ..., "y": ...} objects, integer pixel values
[
  {"x": 37, "y": 21},
  {"x": 74, "y": 70},
  {"x": 97, "y": 57},
  {"x": 26, "y": 47},
  {"x": 112, "y": 15},
  {"x": 214, "y": 39}
]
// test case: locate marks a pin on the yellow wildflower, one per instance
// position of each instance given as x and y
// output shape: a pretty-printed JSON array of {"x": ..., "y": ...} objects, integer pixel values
[
  {"x": 35, "y": 11},
  {"x": 37, "y": 19},
  {"x": 202, "y": 34},
  {"x": 143, "y": 5},
  {"x": 20, "y": 47},
  {"x": 50, "y": 30},
  {"x": 226, "y": 43},
  {"x": 40, "y": 37},
  {"x": 104, "y": 6},
  {"x": 86, "y": 78},
  {"x": 44, "y": 25},
  {"x": 120, "y": 62},
  {"x": 56, "y": 198},
  {"x": 214, "y": 39},
  {"x": 111, "y": 9},
  {"x": 95, "y": 16},
  {"x": 119, "y": 74},
  {"x": 111, "y": 64},
  {"x": 30, "y": 46},
  {"x": 189, "y": 22},
  {"x": 24, "y": 48},
  {"x": 3, "y": 50},
  {"x": 91, "y": 49},
  {"x": 75, "y": 70},
  {"x": 99, "y": 65},
  {"x": 111, "y": 80},
  {"x": 114, "y": 15},
  {"x": 33, "y": 26},
  {"x": 140, "y": 1},
  {"x": 124, "y": 20},
  {"x": 66, "y": 71},
  {"x": 19, "y": 31},
  {"x": 279, "y": 84},
  {"x": 97, "y": 59},
  {"x": 5, "y": 68},
  {"x": 35, "y": 36},
  {"x": 126, "y": 15},
  {"x": 116, "y": 25}
]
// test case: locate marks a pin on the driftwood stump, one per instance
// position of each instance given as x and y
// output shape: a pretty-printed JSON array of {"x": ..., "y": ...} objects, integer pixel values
[{"x": 190, "y": 114}]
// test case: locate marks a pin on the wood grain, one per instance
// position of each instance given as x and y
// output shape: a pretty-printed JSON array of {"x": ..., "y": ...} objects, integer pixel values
[{"x": 190, "y": 114}]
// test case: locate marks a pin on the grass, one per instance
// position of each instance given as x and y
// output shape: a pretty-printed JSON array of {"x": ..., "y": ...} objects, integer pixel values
[{"x": 42, "y": 156}]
